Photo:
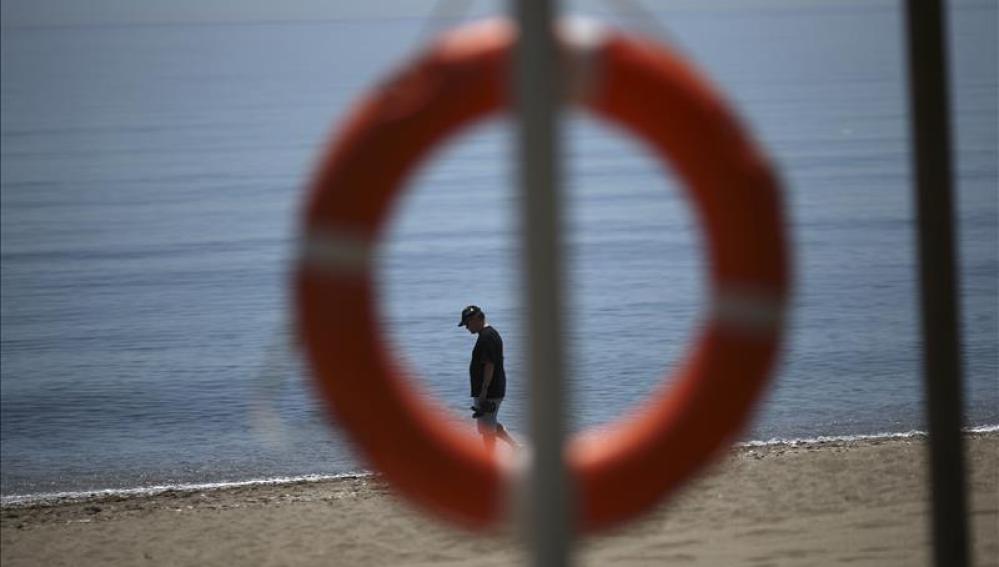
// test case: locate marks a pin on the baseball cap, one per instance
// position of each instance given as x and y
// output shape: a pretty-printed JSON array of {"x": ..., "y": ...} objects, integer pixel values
[{"x": 469, "y": 312}]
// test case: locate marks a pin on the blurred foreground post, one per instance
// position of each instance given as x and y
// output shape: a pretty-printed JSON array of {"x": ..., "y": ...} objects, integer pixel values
[
  {"x": 938, "y": 280},
  {"x": 536, "y": 96}
]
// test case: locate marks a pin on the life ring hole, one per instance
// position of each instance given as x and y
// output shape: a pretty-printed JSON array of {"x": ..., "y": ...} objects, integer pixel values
[{"x": 634, "y": 266}]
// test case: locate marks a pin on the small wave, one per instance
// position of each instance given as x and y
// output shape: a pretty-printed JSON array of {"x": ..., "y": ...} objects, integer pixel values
[
  {"x": 831, "y": 439},
  {"x": 66, "y": 497},
  {"x": 776, "y": 441}
]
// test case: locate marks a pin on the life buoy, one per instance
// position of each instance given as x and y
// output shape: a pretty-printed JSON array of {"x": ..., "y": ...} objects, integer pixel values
[{"x": 620, "y": 470}]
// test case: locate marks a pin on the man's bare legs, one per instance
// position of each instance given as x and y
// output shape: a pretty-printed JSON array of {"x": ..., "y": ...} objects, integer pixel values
[
  {"x": 506, "y": 437},
  {"x": 489, "y": 438}
]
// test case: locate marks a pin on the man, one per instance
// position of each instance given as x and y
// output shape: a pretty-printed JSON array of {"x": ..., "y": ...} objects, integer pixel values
[{"x": 487, "y": 376}]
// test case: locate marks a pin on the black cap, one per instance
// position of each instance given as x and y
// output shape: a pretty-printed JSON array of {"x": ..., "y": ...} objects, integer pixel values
[{"x": 469, "y": 312}]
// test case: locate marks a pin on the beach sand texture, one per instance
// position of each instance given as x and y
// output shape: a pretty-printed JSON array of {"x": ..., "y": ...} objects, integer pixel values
[{"x": 853, "y": 503}]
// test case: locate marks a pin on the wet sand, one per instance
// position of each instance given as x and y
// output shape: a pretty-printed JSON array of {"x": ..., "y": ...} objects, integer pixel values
[{"x": 851, "y": 503}]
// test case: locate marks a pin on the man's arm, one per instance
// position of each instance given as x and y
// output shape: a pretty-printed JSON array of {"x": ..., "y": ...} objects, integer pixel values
[{"x": 487, "y": 376}]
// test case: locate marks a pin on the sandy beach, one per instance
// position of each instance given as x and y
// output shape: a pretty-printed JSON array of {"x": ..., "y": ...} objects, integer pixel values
[{"x": 862, "y": 502}]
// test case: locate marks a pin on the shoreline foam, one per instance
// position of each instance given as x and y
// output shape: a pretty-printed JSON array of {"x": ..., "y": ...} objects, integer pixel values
[
  {"x": 55, "y": 498},
  {"x": 912, "y": 434}
]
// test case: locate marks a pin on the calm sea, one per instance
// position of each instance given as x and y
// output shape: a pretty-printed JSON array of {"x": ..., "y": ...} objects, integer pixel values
[{"x": 152, "y": 177}]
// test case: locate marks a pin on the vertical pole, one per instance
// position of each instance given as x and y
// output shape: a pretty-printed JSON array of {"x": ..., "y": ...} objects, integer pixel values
[
  {"x": 938, "y": 281},
  {"x": 536, "y": 96}
]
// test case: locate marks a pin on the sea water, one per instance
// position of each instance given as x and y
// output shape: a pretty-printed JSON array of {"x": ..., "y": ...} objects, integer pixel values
[{"x": 152, "y": 179}]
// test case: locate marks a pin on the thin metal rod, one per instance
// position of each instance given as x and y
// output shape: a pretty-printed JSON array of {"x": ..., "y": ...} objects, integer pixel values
[
  {"x": 938, "y": 279},
  {"x": 536, "y": 96}
]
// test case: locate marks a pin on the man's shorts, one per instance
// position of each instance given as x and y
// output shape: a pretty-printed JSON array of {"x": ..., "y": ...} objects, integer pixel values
[{"x": 487, "y": 421}]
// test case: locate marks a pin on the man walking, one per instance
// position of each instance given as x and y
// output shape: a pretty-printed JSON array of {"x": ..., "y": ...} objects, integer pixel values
[{"x": 487, "y": 376}]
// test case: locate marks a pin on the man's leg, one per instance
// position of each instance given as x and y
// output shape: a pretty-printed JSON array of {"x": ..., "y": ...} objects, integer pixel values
[
  {"x": 491, "y": 428},
  {"x": 489, "y": 440},
  {"x": 506, "y": 437},
  {"x": 487, "y": 428}
]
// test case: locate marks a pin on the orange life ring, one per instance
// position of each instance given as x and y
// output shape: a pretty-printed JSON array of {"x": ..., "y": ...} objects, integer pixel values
[{"x": 620, "y": 470}]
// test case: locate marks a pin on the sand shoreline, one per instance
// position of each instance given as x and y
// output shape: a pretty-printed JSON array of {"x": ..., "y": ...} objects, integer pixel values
[
  {"x": 858, "y": 502},
  {"x": 118, "y": 494}
]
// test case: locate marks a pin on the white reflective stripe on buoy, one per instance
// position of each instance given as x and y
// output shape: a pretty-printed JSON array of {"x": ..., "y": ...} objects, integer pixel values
[
  {"x": 749, "y": 310},
  {"x": 337, "y": 252},
  {"x": 584, "y": 40}
]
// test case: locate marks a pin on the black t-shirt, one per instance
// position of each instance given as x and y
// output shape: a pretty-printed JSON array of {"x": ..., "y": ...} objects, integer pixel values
[{"x": 488, "y": 348}]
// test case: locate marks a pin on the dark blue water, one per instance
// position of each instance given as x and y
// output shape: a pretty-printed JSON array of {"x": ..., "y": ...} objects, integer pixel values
[{"x": 151, "y": 178}]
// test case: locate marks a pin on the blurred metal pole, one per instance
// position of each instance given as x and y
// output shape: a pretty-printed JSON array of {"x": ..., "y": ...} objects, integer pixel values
[
  {"x": 940, "y": 319},
  {"x": 536, "y": 95}
]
